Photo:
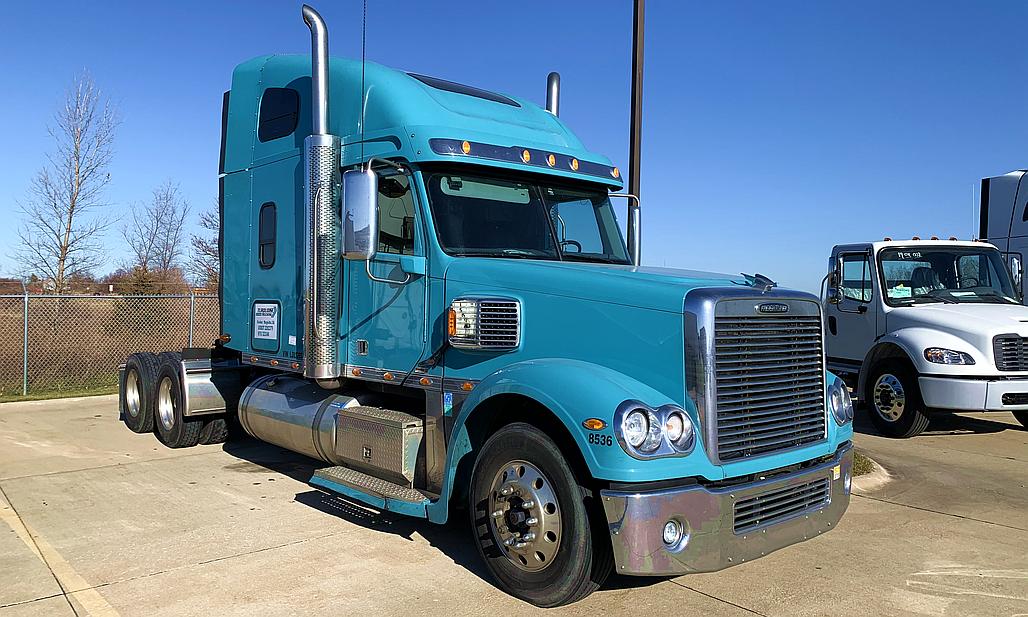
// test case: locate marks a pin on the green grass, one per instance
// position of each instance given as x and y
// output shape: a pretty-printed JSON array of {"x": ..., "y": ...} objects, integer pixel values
[
  {"x": 41, "y": 395},
  {"x": 862, "y": 464}
]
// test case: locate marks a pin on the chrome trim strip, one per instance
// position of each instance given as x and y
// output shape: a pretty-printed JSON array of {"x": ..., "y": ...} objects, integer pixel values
[{"x": 413, "y": 378}]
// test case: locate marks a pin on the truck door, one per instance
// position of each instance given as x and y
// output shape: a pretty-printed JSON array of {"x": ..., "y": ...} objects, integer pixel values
[
  {"x": 1017, "y": 244},
  {"x": 385, "y": 322},
  {"x": 852, "y": 322}
]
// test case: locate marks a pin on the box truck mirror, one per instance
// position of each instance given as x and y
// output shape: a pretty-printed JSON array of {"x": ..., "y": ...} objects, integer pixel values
[{"x": 360, "y": 214}]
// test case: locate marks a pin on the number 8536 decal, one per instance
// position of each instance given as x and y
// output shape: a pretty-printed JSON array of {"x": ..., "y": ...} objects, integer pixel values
[{"x": 599, "y": 439}]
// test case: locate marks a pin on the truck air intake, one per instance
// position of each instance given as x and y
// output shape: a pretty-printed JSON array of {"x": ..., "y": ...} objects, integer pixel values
[{"x": 321, "y": 199}]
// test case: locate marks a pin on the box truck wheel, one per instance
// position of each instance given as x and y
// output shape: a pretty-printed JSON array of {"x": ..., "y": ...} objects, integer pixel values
[
  {"x": 894, "y": 399},
  {"x": 1022, "y": 417},
  {"x": 173, "y": 428},
  {"x": 531, "y": 522},
  {"x": 137, "y": 392}
]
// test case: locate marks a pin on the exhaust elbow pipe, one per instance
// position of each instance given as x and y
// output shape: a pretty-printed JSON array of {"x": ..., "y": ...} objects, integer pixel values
[
  {"x": 321, "y": 160},
  {"x": 553, "y": 92}
]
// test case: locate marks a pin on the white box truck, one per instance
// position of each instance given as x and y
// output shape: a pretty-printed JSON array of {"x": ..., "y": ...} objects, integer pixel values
[
  {"x": 1003, "y": 219},
  {"x": 922, "y": 325}
]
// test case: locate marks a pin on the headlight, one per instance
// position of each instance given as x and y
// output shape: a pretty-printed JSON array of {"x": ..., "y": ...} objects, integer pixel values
[
  {"x": 938, "y": 355},
  {"x": 647, "y": 432},
  {"x": 840, "y": 402}
]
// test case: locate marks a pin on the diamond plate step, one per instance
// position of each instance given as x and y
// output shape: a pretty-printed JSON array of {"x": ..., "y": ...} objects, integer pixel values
[{"x": 362, "y": 482}]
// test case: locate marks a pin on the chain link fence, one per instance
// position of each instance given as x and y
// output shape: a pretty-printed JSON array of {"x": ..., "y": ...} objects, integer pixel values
[{"x": 75, "y": 343}]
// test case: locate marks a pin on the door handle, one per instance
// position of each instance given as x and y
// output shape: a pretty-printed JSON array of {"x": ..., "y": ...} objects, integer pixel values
[{"x": 862, "y": 309}]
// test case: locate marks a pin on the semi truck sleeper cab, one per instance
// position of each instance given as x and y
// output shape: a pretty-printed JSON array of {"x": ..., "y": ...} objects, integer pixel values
[{"x": 425, "y": 286}]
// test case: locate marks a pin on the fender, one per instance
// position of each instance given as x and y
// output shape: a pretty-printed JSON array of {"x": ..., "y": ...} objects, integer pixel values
[
  {"x": 912, "y": 342},
  {"x": 586, "y": 390}
]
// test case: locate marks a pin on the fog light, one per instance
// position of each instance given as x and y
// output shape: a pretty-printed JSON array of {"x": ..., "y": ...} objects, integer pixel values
[{"x": 672, "y": 533}]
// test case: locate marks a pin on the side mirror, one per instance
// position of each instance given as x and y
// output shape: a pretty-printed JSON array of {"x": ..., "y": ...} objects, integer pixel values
[
  {"x": 833, "y": 295},
  {"x": 1017, "y": 274},
  {"x": 360, "y": 214}
]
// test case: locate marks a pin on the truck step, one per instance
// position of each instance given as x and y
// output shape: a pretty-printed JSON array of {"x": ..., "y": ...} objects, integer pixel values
[{"x": 372, "y": 491}]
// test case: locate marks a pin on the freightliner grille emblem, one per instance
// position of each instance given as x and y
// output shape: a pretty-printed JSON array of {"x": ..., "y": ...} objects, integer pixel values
[{"x": 772, "y": 307}]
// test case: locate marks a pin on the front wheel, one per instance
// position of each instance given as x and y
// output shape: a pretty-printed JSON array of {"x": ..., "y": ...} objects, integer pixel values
[
  {"x": 532, "y": 521},
  {"x": 894, "y": 401},
  {"x": 1022, "y": 417}
]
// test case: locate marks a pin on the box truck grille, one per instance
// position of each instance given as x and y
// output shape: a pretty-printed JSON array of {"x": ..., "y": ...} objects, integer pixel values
[
  {"x": 1011, "y": 352},
  {"x": 769, "y": 379},
  {"x": 779, "y": 504},
  {"x": 499, "y": 323}
]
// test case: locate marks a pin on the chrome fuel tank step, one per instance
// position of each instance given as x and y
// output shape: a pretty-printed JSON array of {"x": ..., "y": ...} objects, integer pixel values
[{"x": 373, "y": 491}]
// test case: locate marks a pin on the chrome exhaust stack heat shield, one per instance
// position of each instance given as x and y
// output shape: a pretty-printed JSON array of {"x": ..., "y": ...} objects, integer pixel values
[{"x": 321, "y": 213}]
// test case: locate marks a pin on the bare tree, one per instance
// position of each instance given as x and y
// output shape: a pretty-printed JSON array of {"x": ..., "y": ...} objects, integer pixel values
[
  {"x": 61, "y": 232},
  {"x": 206, "y": 263},
  {"x": 155, "y": 238}
]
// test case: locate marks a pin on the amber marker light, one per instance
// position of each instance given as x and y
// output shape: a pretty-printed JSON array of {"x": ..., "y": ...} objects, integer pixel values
[
  {"x": 465, "y": 147},
  {"x": 274, "y": 363},
  {"x": 574, "y": 164},
  {"x": 388, "y": 376},
  {"x": 615, "y": 172},
  {"x": 526, "y": 156},
  {"x": 425, "y": 381},
  {"x": 295, "y": 365},
  {"x": 551, "y": 160},
  {"x": 253, "y": 358},
  {"x": 594, "y": 424},
  {"x": 451, "y": 322},
  {"x": 224, "y": 338},
  {"x": 355, "y": 372},
  {"x": 466, "y": 386}
]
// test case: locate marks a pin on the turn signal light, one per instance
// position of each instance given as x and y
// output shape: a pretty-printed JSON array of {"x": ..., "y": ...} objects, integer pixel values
[{"x": 594, "y": 424}]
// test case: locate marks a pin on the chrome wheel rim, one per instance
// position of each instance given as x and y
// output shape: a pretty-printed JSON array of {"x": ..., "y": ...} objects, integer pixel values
[
  {"x": 132, "y": 396},
  {"x": 889, "y": 398},
  {"x": 524, "y": 516},
  {"x": 165, "y": 405}
]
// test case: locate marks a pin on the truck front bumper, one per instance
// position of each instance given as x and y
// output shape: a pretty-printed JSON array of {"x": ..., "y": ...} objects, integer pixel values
[
  {"x": 974, "y": 394},
  {"x": 725, "y": 526}
]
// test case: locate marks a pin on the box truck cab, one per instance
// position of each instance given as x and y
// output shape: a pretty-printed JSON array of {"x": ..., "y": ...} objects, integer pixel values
[
  {"x": 919, "y": 325},
  {"x": 425, "y": 286}
]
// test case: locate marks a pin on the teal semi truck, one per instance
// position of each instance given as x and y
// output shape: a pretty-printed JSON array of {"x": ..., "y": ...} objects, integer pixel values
[{"x": 425, "y": 286}]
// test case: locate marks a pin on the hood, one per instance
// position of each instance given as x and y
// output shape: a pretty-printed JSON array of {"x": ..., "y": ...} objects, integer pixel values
[
  {"x": 641, "y": 286},
  {"x": 963, "y": 319}
]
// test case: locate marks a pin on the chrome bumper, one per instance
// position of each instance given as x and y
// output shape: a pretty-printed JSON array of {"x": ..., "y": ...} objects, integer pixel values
[{"x": 637, "y": 519}]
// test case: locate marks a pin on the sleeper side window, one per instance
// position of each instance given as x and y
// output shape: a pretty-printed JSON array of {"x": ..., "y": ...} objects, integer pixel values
[
  {"x": 395, "y": 215},
  {"x": 856, "y": 277},
  {"x": 266, "y": 232},
  {"x": 279, "y": 113}
]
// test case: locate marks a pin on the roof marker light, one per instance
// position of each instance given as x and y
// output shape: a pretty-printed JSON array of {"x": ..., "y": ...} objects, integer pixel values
[
  {"x": 935, "y": 237},
  {"x": 551, "y": 160},
  {"x": 574, "y": 164},
  {"x": 465, "y": 147},
  {"x": 888, "y": 239},
  {"x": 615, "y": 172},
  {"x": 952, "y": 237},
  {"x": 526, "y": 156},
  {"x": 916, "y": 238}
]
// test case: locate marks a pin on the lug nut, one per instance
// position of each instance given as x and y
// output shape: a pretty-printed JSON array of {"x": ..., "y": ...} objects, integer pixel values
[
  {"x": 508, "y": 542},
  {"x": 520, "y": 545},
  {"x": 527, "y": 504},
  {"x": 531, "y": 521},
  {"x": 498, "y": 514},
  {"x": 506, "y": 491},
  {"x": 528, "y": 537}
]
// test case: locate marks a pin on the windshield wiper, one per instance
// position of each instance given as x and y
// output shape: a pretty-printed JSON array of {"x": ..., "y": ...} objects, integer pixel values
[
  {"x": 993, "y": 294},
  {"x": 506, "y": 254},
  {"x": 597, "y": 258}
]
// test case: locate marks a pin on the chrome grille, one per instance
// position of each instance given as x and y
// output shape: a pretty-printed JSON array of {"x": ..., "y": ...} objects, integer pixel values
[
  {"x": 1011, "y": 352},
  {"x": 769, "y": 383},
  {"x": 779, "y": 504},
  {"x": 499, "y": 323}
]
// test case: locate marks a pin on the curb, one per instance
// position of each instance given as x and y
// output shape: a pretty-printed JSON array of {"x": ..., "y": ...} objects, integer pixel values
[{"x": 873, "y": 481}]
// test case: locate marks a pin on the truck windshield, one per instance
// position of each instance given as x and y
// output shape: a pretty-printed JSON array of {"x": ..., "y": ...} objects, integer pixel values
[
  {"x": 484, "y": 216},
  {"x": 950, "y": 275}
]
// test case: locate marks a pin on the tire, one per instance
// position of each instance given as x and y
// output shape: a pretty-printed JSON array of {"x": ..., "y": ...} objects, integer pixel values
[
  {"x": 893, "y": 399},
  {"x": 172, "y": 428},
  {"x": 214, "y": 431},
  {"x": 137, "y": 392},
  {"x": 570, "y": 557},
  {"x": 1022, "y": 417}
]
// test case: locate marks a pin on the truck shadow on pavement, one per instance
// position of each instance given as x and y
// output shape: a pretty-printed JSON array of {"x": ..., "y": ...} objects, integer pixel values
[
  {"x": 941, "y": 423},
  {"x": 453, "y": 539}
]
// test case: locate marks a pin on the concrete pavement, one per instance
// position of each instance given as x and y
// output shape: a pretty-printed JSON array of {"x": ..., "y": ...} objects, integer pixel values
[{"x": 95, "y": 520}]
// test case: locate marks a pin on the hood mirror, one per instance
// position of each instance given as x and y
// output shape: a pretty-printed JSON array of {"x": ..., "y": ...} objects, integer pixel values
[{"x": 360, "y": 214}]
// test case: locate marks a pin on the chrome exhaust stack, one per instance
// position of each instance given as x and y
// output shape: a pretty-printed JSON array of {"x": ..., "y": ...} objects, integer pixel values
[
  {"x": 553, "y": 92},
  {"x": 321, "y": 159}
]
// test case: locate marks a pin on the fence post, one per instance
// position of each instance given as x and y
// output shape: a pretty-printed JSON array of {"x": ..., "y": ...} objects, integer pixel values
[
  {"x": 192, "y": 315},
  {"x": 25, "y": 343}
]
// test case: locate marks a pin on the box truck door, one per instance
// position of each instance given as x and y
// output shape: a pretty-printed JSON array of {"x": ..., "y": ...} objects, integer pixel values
[{"x": 852, "y": 322}]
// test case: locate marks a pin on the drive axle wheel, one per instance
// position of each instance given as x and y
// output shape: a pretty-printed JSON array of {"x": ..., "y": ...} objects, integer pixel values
[
  {"x": 173, "y": 428},
  {"x": 531, "y": 519},
  {"x": 137, "y": 392},
  {"x": 894, "y": 400}
]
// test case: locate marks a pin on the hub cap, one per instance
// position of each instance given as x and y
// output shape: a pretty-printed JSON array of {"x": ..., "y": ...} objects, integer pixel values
[
  {"x": 524, "y": 516},
  {"x": 165, "y": 406},
  {"x": 132, "y": 394},
  {"x": 889, "y": 398}
]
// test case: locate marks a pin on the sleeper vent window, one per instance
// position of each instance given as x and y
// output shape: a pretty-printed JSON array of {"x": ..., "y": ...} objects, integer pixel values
[
  {"x": 279, "y": 114},
  {"x": 266, "y": 236}
]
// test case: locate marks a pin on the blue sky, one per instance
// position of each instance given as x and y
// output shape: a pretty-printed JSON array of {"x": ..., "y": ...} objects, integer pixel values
[{"x": 771, "y": 132}]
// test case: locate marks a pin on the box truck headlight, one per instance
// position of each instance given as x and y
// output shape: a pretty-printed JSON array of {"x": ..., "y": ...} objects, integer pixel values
[
  {"x": 840, "y": 402},
  {"x": 938, "y": 355}
]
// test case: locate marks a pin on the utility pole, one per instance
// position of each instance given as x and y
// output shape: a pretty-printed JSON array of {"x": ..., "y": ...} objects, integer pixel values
[{"x": 635, "y": 130}]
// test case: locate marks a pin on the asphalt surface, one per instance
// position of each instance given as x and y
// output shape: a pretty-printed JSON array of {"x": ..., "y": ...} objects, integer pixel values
[{"x": 95, "y": 520}]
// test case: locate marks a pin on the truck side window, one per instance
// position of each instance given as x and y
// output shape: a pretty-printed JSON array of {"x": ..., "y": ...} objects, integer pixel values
[
  {"x": 395, "y": 215},
  {"x": 266, "y": 233},
  {"x": 856, "y": 277},
  {"x": 279, "y": 113}
]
